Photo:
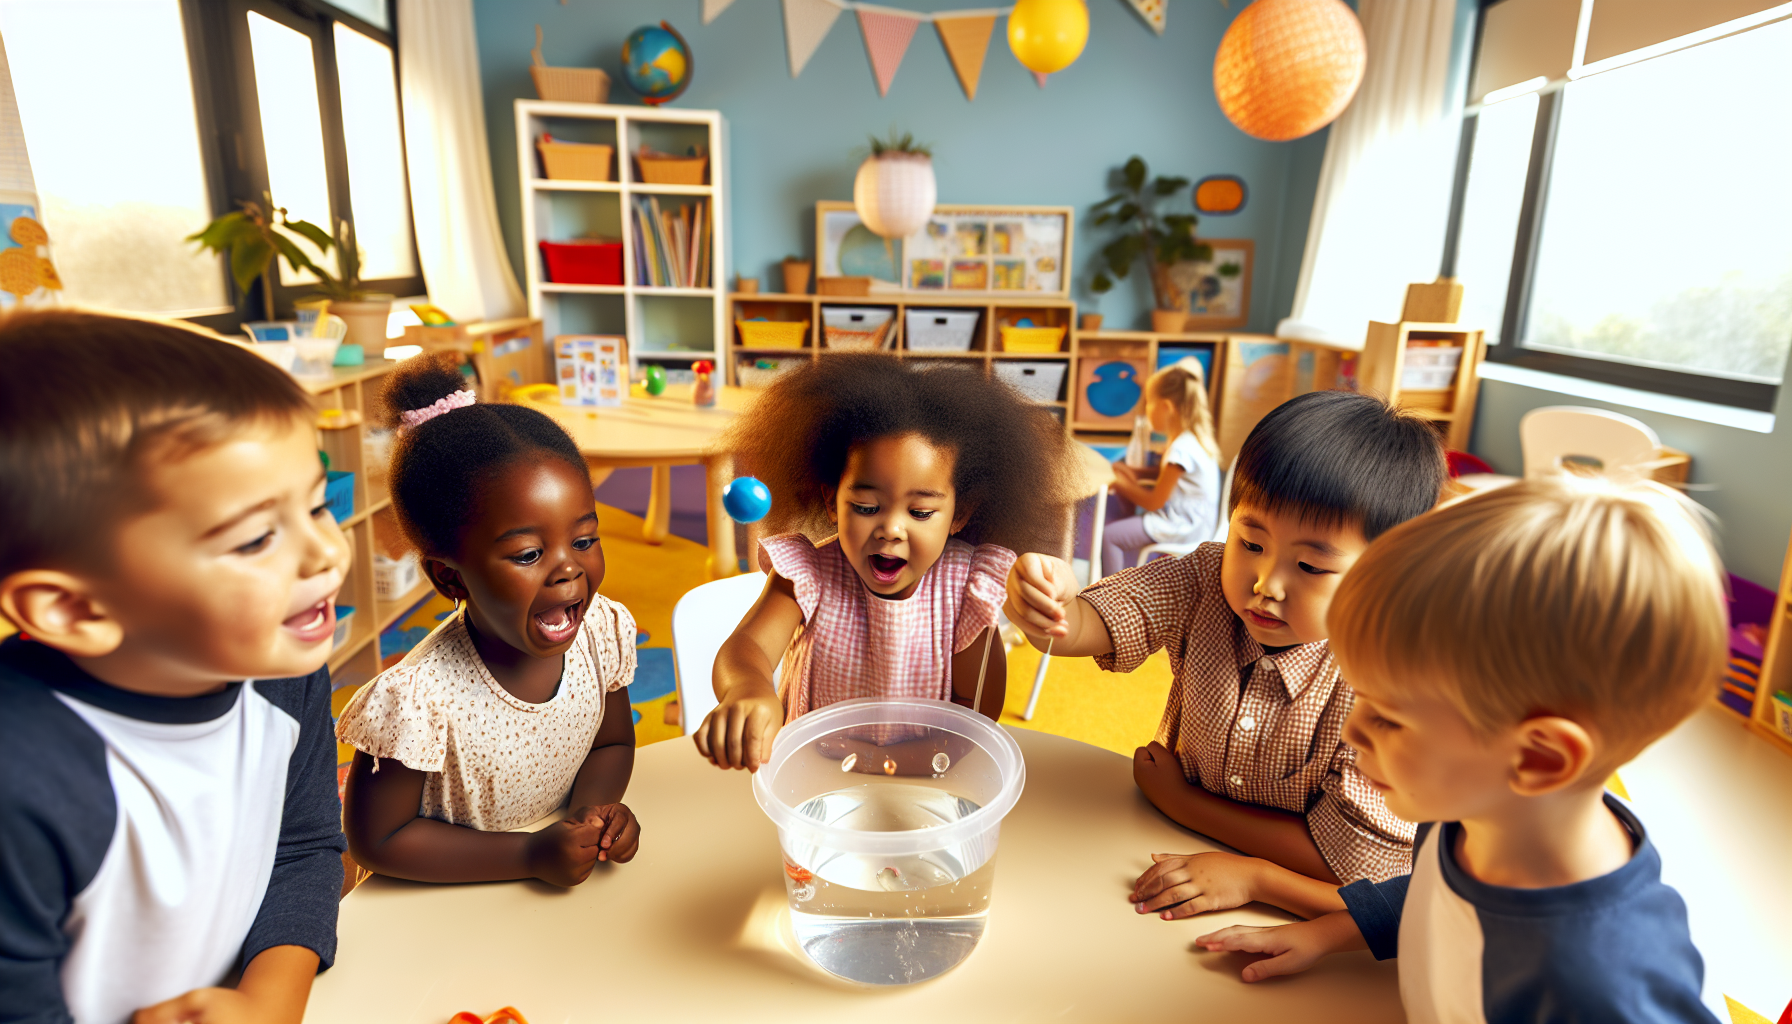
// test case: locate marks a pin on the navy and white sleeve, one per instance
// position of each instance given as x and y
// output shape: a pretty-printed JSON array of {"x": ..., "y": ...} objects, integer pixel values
[
  {"x": 300, "y": 906},
  {"x": 57, "y": 815},
  {"x": 1376, "y": 906}
]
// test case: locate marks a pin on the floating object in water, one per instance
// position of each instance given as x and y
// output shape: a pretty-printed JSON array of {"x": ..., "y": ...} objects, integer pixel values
[
  {"x": 889, "y": 766},
  {"x": 851, "y": 759},
  {"x": 797, "y": 873},
  {"x": 941, "y": 762},
  {"x": 890, "y": 880}
]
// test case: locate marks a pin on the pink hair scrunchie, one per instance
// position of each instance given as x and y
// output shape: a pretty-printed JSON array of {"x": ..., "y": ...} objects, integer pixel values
[{"x": 458, "y": 400}]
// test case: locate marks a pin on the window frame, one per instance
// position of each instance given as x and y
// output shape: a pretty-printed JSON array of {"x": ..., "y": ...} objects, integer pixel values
[
  {"x": 1510, "y": 348},
  {"x": 228, "y": 112}
]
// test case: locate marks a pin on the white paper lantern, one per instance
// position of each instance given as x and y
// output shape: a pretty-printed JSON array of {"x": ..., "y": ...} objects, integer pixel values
[{"x": 894, "y": 193}]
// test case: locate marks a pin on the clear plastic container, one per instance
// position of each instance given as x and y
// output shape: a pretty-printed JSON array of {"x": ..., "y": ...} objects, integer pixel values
[{"x": 888, "y": 813}]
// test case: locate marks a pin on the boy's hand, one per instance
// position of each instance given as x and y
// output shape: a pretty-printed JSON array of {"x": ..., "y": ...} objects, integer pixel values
[
  {"x": 202, "y": 1006},
  {"x": 1177, "y": 885},
  {"x": 1292, "y": 947},
  {"x": 739, "y": 732},
  {"x": 273, "y": 990},
  {"x": 564, "y": 853},
  {"x": 1158, "y": 773},
  {"x": 621, "y": 836},
  {"x": 1039, "y": 586}
]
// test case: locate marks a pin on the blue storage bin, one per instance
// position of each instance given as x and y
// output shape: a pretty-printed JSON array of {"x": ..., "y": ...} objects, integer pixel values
[{"x": 339, "y": 494}]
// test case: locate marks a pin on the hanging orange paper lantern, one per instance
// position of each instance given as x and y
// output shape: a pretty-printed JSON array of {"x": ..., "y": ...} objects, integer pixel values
[{"x": 1287, "y": 68}]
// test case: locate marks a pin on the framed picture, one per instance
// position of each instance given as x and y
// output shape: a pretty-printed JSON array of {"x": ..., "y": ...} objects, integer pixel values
[
  {"x": 962, "y": 248},
  {"x": 1221, "y": 293}
]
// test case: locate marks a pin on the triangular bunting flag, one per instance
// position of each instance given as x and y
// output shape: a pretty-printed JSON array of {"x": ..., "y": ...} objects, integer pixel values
[
  {"x": 886, "y": 41},
  {"x": 1152, "y": 11},
  {"x": 1040, "y": 77},
  {"x": 713, "y": 9},
  {"x": 966, "y": 41},
  {"x": 806, "y": 23}
]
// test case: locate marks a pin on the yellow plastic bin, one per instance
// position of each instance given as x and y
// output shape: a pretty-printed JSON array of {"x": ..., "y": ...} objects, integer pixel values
[
  {"x": 772, "y": 333},
  {"x": 1031, "y": 339}
]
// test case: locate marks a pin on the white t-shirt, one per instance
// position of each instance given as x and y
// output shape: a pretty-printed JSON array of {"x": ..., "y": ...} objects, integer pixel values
[{"x": 1193, "y": 510}]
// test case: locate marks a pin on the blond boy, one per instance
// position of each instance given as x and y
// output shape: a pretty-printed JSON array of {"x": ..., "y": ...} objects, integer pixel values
[{"x": 1508, "y": 654}]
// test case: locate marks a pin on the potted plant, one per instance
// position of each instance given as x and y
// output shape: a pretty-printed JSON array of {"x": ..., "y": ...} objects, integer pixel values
[
  {"x": 1165, "y": 241},
  {"x": 894, "y": 191},
  {"x": 253, "y": 236}
]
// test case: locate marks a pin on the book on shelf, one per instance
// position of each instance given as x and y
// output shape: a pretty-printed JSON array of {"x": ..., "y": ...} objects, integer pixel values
[{"x": 672, "y": 246}]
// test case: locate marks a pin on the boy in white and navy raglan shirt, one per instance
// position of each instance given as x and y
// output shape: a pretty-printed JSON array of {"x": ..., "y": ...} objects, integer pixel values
[
  {"x": 168, "y": 810},
  {"x": 1508, "y": 653}
]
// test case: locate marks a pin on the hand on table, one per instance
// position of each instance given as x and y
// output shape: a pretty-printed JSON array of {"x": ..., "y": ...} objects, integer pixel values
[
  {"x": 1292, "y": 948},
  {"x": 621, "y": 836},
  {"x": 273, "y": 990},
  {"x": 739, "y": 732},
  {"x": 1039, "y": 586},
  {"x": 1183, "y": 885},
  {"x": 564, "y": 853}
]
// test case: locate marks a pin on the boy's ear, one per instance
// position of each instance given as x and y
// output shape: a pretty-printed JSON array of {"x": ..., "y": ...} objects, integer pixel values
[
  {"x": 1553, "y": 754},
  {"x": 445, "y": 578},
  {"x": 60, "y": 610}
]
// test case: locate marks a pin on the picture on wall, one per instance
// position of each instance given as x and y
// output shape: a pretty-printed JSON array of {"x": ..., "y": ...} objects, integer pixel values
[
  {"x": 1220, "y": 295},
  {"x": 960, "y": 249}
]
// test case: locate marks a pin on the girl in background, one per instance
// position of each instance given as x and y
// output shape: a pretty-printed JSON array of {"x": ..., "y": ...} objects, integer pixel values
[
  {"x": 518, "y": 702},
  {"x": 1183, "y": 508},
  {"x": 899, "y": 499}
]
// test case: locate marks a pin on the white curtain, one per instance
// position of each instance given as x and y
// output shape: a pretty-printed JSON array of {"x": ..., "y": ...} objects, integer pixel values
[
  {"x": 1384, "y": 186},
  {"x": 452, "y": 201}
]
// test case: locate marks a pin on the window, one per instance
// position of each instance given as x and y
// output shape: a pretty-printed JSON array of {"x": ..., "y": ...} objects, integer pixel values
[
  {"x": 1626, "y": 220},
  {"x": 170, "y": 112}
]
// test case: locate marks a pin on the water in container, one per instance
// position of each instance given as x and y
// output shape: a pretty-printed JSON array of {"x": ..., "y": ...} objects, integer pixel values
[{"x": 888, "y": 815}]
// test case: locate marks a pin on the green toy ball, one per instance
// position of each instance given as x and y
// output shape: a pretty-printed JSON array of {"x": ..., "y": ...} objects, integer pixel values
[
  {"x": 656, "y": 63},
  {"x": 656, "y": 379}
]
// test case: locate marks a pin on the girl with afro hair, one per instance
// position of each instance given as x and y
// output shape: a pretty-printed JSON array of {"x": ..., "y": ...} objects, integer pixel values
[{"x": 900, "y": 498}]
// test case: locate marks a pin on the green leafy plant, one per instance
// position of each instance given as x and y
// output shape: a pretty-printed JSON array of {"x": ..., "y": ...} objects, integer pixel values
[
  {"x": 904, "y": 143},
  {"x": 252, "y": 237},
  {"x": 1163, "y": 240}
]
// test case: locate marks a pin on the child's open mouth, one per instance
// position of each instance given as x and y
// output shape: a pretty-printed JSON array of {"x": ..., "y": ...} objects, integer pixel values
[
  {"x": 315, "y": 623},
  {"x": 886, "y": 567},
  {"x": 1262, "y": 621},
  {"x": 559, "y": 623}
]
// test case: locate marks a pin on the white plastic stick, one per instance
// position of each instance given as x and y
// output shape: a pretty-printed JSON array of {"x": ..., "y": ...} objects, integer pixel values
[{"x": 977, "y": 701}]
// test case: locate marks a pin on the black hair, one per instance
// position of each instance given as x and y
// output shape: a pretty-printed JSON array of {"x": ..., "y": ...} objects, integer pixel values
[
  {"x": 88, "y": 400},
  {"x": 440, "y": 465},
  {"x": 1336, "y": 457},
  {"x": 1011, "y": 457}
]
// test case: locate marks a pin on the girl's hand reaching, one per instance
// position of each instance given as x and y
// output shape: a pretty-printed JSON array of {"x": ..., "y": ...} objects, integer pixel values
[
  {"x": 1292, "y": 947},
  {"x": 739, "y": 732}
]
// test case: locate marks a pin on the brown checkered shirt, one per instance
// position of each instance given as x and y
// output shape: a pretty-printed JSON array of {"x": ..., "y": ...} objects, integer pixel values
[{"x": 1249, "y": 727}]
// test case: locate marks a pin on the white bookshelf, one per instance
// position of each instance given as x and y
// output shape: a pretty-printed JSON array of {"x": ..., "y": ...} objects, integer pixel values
[{"x": 670, "y": 326}]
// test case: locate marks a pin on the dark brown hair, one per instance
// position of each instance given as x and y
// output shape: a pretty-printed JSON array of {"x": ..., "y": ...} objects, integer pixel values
[
  {"x": 86, "y": 399},
  {"x": 440, "y": 466},
  {"x": 1012, "y": 459}
]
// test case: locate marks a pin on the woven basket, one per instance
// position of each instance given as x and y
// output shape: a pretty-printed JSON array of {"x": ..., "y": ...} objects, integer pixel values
[
  {"x": 849, "y": 340},
  {"x": 574, "y": 161},
  {"x": 571, "y": 85},
  {"x": 659, "y": 169}
]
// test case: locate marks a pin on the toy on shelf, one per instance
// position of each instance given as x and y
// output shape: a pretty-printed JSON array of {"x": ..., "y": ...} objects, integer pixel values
[
  {"x": 747, "y": 499},
  {"x": 655, "y": 379},
  {"x": 703, "y": 391},
  {"x": 656, "y": 63}
]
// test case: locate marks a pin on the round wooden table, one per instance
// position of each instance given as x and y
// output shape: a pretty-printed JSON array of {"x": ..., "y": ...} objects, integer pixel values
[{"x": 696, "y": 927}]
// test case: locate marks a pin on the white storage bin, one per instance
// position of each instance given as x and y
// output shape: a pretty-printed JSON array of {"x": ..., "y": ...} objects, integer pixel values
[
  {"x": 1429, "y": 367},
  {"x": 856, "y": 318},
  {"x": 395, "y": 577},
  {"x": 1038, "y": 381},
  {"x": 941, "y": 330}
]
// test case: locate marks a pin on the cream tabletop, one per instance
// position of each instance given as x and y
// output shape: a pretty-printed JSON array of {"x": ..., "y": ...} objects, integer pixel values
[{"x": 696, "y": 927}]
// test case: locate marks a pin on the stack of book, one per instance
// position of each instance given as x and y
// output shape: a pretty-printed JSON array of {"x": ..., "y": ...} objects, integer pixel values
[{"x": 672, "y": 248}]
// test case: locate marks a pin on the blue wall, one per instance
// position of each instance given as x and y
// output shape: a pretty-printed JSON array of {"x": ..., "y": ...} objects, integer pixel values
[{"x": 795, "y": 141}]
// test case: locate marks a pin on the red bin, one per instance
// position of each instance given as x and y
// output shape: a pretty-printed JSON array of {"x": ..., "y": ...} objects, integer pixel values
[{"x": 589, "y": 262}]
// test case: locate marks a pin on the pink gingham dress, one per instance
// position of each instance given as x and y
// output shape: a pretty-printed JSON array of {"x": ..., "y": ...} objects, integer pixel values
[{"x": 856, "y": 644}]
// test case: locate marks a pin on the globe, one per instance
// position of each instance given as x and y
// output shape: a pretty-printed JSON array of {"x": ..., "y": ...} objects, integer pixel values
[{"x": 656, "y": 63}]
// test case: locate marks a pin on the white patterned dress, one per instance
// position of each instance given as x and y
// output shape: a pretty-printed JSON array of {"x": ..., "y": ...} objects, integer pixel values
[{"x": 492, "y": 762}]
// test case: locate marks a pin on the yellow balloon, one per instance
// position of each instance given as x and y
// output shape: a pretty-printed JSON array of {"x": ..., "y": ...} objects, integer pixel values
[{"x": 1048, "y": 35}]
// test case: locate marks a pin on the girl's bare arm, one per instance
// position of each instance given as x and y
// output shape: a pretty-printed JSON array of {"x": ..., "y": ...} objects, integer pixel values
[{"x": 738, "y": 733}]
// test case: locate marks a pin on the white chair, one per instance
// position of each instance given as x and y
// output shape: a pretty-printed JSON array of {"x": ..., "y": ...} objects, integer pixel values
[
  {"x": 1583, "y": 439},
  {"x": 701, "y": 620},
  {"x": 1222, "y": 525}
]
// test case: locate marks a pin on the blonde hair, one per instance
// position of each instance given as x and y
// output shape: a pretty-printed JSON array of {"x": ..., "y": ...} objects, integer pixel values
[
  {"x": 1184, "y": 385},
  {"x": 1599, "y": 602}
]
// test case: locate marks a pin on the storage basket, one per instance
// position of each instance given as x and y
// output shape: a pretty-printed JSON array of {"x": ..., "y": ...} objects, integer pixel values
[
  {"x": 665, "y": 169},
  {"x": 574, "y": 161},
  {"x": 857, "y": 341},
  {"x": 566, "y": 85},
  {"x": 395, "y": 577},
  {"x": 754, "y": 373},
  {"x": 1782, "y": 712},
  {"x": 583, "y": 262},
  {"x": 856, "y": 328},
  {"x": 345, "y": 624},
  {"x": 772, "y": 333},
  {"x": 1031, "y": 339},
  {"x": 1039, "y": 381},
  {"x": 1429, "y": 367},
  {"x": 339, "y": 494},
  {"x": 941, "y": 330}
]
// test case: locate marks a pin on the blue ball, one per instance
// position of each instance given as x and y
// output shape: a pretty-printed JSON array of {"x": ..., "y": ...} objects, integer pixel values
[{"x": 746, "y": 499}]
